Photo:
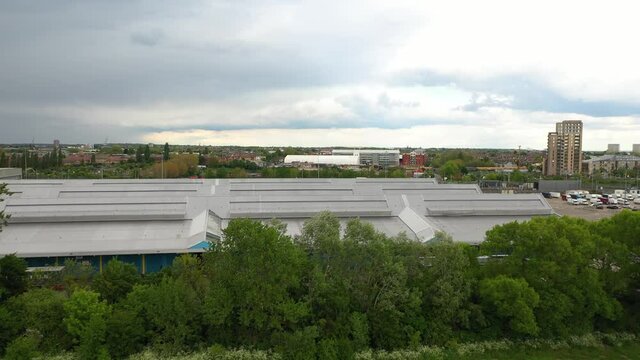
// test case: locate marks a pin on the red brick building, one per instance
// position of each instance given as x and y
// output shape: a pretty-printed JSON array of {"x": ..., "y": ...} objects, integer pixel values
[{"x": 413, "y": 159}]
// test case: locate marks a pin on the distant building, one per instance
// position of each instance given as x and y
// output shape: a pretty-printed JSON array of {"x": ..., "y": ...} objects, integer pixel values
[
  {"x": 610, "y": 163},
  {"x": 56, "y": 144},
  {"x": 382, "y": 157},
  {"x": 337, "y": 160},
  {"x": 413, "y": 159},
  {"x": 564, "y": 149},
  {"x": 613, "y": 148},
  {"x": 636, "y": 148}
]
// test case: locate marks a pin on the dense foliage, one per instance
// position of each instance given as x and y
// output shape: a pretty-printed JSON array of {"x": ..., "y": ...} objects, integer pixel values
[{"x": 335, "y": 291}]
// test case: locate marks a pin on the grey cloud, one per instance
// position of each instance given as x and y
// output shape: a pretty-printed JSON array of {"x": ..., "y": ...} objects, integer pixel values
[
  {"x": 525, "y": 92},
  {"x": 150, "y": 38}
]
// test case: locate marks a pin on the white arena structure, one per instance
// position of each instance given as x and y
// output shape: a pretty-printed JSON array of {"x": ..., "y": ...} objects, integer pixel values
[
  {"x": 338, "y": 160},
  {"x": 148, "y": 222}
]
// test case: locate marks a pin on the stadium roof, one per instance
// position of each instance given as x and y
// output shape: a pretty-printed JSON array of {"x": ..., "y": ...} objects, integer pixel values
[{"x": 100, "y": 217}]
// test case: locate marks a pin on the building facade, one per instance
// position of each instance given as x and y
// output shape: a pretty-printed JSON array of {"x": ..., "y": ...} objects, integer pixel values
[
  {"x": 564, "y": 149},
  {"x": 383, "y": 157},
  {"x": 413, "y": 159},
  {"x": 636, "y": 149},
  {"x": 613, "y": 148},
  {"x": 608, "y": 164}
]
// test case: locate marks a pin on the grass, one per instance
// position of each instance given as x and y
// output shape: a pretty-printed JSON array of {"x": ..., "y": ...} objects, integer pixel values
[{"x": 628, "y": 351}]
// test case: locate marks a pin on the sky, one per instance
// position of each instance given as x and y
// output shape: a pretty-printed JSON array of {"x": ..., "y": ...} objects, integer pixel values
[{"x": 490, "y": 74}]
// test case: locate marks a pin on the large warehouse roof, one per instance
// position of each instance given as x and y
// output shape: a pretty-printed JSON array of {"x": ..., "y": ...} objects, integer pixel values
[{"x": 93, "y": 217}]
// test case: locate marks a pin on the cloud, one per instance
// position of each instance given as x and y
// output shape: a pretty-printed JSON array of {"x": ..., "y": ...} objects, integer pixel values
[
  {"x": 132, "y": 69},
  {"x": 149, "y": 38}
]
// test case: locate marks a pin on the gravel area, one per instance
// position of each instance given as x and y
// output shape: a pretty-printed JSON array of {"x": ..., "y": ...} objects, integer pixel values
[{"x": 582, "y": 211}]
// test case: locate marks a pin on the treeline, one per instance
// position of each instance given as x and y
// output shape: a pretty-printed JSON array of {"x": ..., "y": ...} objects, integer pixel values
[
  {"x": 332, "y": 292},
  {"x": 32, "y": 160}
]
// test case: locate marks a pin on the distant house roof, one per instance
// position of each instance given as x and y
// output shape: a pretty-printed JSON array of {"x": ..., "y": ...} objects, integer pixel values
[{"x": 100, "y": 217}]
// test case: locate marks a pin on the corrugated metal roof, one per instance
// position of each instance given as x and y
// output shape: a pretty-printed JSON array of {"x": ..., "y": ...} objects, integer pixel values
[{"x": 84, "y": 217}]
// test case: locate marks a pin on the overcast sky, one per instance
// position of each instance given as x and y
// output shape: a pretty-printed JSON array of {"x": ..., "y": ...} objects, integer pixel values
[{"x": 304, "y": 73}]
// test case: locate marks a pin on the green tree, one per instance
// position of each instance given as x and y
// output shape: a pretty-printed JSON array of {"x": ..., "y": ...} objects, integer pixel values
[
  {"x": 139, "y": 154},
  {"x": 512, "y": 301},
  {"x": 125, "y": 333},
  {"x": 254, "y": 272},
  {"x": 555, "y": 256},
  {"x": 85, "y": 320},
  {"x": 452, "y": 169},
  {"x": 10, "y": 326},
  {"x": 147, "y": 153},
  {"x": 174, "y": 311},
  {"x": 42, "y": 310},
  {"x": 116, "y": 280},
  {"x": 446, "y": 287},
  {"x": 13, "y": 276},
  {"x": 24, "y": 347},
  {"x": 165, "y": 152}
]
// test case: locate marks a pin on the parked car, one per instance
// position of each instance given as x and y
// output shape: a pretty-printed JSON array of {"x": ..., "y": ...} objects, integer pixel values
[{"x": 613, "y": 207}]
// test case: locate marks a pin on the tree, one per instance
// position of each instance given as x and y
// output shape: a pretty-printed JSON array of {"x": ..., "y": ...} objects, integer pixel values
[
  {"x": 125, "y": 333},
  {"x": 254, "y": 272},
  {"x": 42, "y": 310},
  {"x": 555, "y": 256},
  {"x": 13, "y": 276},
  {"x": 451, "y": 169},
  {"x": 24, "y": 347},
  {"x": 117, "y": 279},
  {"x": 60, "y": 157},
  {"x": 147, "y": 153},
  {"x": 446, "y": 286},
  {"x": 10, "y": 326},
  {"x": 139, "y": 154},
  {"x": 511, "y": 300},
  {"x": 174, "y": 312},
  {"x": 85, "y": 320},
  {"x": 165, "y": 152}
]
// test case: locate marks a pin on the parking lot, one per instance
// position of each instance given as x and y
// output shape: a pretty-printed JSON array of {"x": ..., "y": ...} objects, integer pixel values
[{"x": 582, "y": 211}]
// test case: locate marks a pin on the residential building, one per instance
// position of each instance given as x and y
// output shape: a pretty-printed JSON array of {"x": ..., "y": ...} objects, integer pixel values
[
  {"x": 636, "y": 149},
  {"x": 613, "y": 148},
  {"x": 564, "y": 149},
  {"x": 610, "y": 163},
  {"x": 413, "y": 159}
]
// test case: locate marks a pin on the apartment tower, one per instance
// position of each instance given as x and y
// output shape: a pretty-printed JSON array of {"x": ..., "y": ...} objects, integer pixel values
[{"x": 564, "y": 149}]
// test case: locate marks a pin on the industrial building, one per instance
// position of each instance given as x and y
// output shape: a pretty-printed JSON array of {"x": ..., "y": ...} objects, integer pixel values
[
  {"x": 375, "y": 157},
  {"x": 149, "y": 222},
  {"x": 349, "y": 157},
  {"x": 564, "y": 149}
]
